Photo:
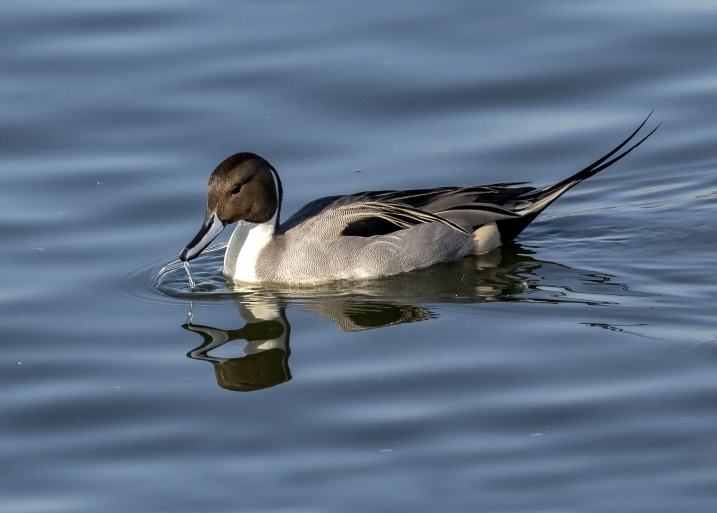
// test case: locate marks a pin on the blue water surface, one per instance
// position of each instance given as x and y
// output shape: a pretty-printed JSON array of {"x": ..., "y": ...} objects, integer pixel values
[{"x": 571, "y": 371}]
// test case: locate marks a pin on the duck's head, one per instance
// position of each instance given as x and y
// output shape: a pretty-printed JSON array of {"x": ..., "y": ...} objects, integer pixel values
[{"x": 244, "y": 187}]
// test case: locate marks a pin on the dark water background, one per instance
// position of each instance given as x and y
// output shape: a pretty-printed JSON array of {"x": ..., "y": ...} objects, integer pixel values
[{"x": 574, "y": 371}]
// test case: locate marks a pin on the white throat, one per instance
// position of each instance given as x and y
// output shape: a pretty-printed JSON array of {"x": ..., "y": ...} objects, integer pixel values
[{"x": 244, "y": 247}]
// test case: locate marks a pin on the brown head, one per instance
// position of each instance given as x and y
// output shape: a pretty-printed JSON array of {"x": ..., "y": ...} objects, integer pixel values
[{"x": 244, "y": 187}]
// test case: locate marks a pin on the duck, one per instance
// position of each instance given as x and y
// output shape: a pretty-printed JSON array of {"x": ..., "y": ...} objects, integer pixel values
[{"x": 368, "y": 234}]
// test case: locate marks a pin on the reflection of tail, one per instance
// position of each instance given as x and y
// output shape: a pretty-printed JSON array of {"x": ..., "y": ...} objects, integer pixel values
[{"x": 531, "y": 204}]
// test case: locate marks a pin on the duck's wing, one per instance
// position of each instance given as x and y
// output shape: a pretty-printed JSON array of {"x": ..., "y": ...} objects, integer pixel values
[
  {"x": 369, "y": 218},
  {"x": 382, "y": 212},
  {"x": 443, "y": 198},
  {"x": 477, "y": 205},
  {"x": 357, "y": 215}
]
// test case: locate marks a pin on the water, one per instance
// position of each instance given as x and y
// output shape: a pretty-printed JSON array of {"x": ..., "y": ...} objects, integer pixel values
[
  {"x": 189, "y": 275},
  {"x": 570, "y": 371}
]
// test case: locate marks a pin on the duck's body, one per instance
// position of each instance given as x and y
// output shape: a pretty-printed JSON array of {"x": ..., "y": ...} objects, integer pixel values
[
  {"x": 314, "y": 249},
  {"x": 364, "y": 235}
]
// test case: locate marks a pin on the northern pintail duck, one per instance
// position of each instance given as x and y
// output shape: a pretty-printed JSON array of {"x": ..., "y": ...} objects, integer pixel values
[{"x": 367, "y": 234}]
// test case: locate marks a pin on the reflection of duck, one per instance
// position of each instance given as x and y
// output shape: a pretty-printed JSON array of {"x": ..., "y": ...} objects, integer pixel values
[
  {"x": 507, "y": 274},
  {"x": 363, "y": 235}
]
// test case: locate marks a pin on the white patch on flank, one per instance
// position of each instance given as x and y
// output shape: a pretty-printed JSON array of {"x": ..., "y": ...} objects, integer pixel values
[
  {"x": 244, "y": 247},
  {"x": 486, "y": 238}
]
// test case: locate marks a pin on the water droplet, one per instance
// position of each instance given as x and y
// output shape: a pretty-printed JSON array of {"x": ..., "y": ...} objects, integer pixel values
[{"x": 190, "y": 315}]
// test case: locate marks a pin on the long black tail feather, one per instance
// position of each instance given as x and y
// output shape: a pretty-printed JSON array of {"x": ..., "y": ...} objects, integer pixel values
[
  {"x": 596, "y": 166},
  {"x": 533, "y": 203}
]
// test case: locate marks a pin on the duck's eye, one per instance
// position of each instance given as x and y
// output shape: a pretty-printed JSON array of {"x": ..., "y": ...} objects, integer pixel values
[{"x": 236, "y": 188}]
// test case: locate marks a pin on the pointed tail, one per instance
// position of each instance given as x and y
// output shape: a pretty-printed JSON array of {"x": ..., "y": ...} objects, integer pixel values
[{"x": 534, "y": 202}]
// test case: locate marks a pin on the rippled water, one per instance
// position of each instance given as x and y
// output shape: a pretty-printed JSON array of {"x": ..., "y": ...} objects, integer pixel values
[{"x": 569, "y": 371}]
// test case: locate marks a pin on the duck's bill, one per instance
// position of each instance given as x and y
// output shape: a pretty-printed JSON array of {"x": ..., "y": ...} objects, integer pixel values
[{"x": 211, "y": 227}]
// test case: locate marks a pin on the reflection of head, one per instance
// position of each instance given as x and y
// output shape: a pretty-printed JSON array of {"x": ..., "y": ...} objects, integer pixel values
[
  {"x": 256, "y": 371},
  {"x": 266, "y": 363}
]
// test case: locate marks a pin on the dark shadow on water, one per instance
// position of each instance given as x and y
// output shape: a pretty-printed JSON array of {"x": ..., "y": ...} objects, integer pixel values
[{"x": 507, "y": 274}]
